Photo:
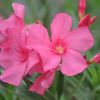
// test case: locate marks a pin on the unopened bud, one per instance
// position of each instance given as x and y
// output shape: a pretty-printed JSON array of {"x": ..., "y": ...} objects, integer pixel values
[{"x": 81, "y": 8}]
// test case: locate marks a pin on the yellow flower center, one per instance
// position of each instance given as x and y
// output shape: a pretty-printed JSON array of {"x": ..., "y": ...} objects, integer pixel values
[{"x": 59, "y": 49}]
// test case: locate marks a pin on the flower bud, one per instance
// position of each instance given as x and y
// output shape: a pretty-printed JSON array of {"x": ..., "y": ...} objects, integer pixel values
[
  {"x": 96, "y": 58},
  {"x": 81, "y": 8}
]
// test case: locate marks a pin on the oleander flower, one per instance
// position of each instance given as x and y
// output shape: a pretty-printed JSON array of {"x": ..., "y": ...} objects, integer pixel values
[
  {"x": 16, "y": 58},
  {"x": 64, "y": 47}
]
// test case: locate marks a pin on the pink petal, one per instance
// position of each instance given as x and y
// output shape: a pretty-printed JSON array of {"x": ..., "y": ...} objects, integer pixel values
[
  {"x": 80, "y": 39},
  {"x": 11, "y": 22},
  {"x": 36, "y": 34},
  {"x": 61, "y": 25},
  {"x": 19, "y": 10},
  {"x": 15, "y": 20},
  {"x": 43, "y": 82},
  {"x": 49, "y": 59},
  {"x": 37, "y": 68},
  {"x": 14, "y": 36},
  {"x": 4, "y": 61},
  {"x": 33, "y": 59},
  {"x": 3, "y": 40},
  {"x": 14, "y": 74},
  {"x": 6, "y": 57},
  {"x": 73, "y": 63}
]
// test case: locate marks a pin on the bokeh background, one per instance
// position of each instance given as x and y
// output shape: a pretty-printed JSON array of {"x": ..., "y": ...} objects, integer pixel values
[{"x": 85, "y": 86}]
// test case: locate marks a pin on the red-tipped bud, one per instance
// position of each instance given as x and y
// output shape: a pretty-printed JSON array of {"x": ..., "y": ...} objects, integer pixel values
[
  {"x": 96, "y": 58},
  {"x": 81, "y": 8},
  {"x": 93, "y": 19},
  {"x": 85, "y": 21}
]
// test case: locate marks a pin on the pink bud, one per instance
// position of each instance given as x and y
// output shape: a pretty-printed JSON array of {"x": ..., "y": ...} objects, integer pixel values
[
  {"x": 85, "y": 21},
  {"x": 96, "y": 58},
  {"x": 81, "y": 8}
]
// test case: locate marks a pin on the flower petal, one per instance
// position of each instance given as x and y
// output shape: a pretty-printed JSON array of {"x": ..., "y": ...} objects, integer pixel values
[
  {"x": 5, "y": 60},
  {"x": 36, "y": 34},
  {"x": 19, "y": 9},
  {"x": 73, "y": 63},
  {"x": 43, "y": 82},
  {"x": 61, "y": 25},
  {"x": 37, "y": 69},
  {"x": 33, "y": 59},
  {"x": 6, "y": 55},
  {"x": 80, "y": 39},
  {"x": 14, "y": 74},
  {"x": 49, "y": 59}
]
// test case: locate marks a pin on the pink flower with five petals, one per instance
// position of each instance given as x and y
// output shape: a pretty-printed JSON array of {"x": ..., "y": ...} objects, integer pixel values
[
  {"x": 64, "y": 47},
  {"x": 62, "y": 51}
]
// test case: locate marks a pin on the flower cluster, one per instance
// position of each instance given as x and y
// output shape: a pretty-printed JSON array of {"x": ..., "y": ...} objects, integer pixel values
[{"x": 28, "y": 49}]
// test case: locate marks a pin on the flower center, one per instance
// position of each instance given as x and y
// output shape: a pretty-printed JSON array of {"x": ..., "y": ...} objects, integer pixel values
[
  {"x": 22, "y": 54},
  {"x": 59, "y": 47}
]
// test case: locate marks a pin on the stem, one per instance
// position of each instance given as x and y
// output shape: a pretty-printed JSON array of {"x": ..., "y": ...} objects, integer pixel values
[{"x": 57, "y": 87}]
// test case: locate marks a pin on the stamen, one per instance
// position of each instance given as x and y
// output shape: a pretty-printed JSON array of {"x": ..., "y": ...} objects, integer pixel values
[{"x": 59, "y": 47}]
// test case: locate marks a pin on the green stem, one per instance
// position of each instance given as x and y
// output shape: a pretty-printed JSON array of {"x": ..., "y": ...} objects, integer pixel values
[{"x": 57, "y": 87}]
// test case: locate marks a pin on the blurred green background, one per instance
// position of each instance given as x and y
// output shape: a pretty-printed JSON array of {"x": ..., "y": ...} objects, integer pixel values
[{"x": 85, "y": 86}]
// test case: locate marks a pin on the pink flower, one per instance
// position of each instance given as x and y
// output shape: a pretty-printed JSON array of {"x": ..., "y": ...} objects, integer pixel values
[
  {"x": 96, "y": 58},
  {"x": 81, "y": 8},
  {"x": 64, "y": 47},
  {"x": 14, "y": 21},
  {"x": 43, "y": 82},
  {"x": 87, "y": 20},
  {"x": 17, "y": 60}
]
